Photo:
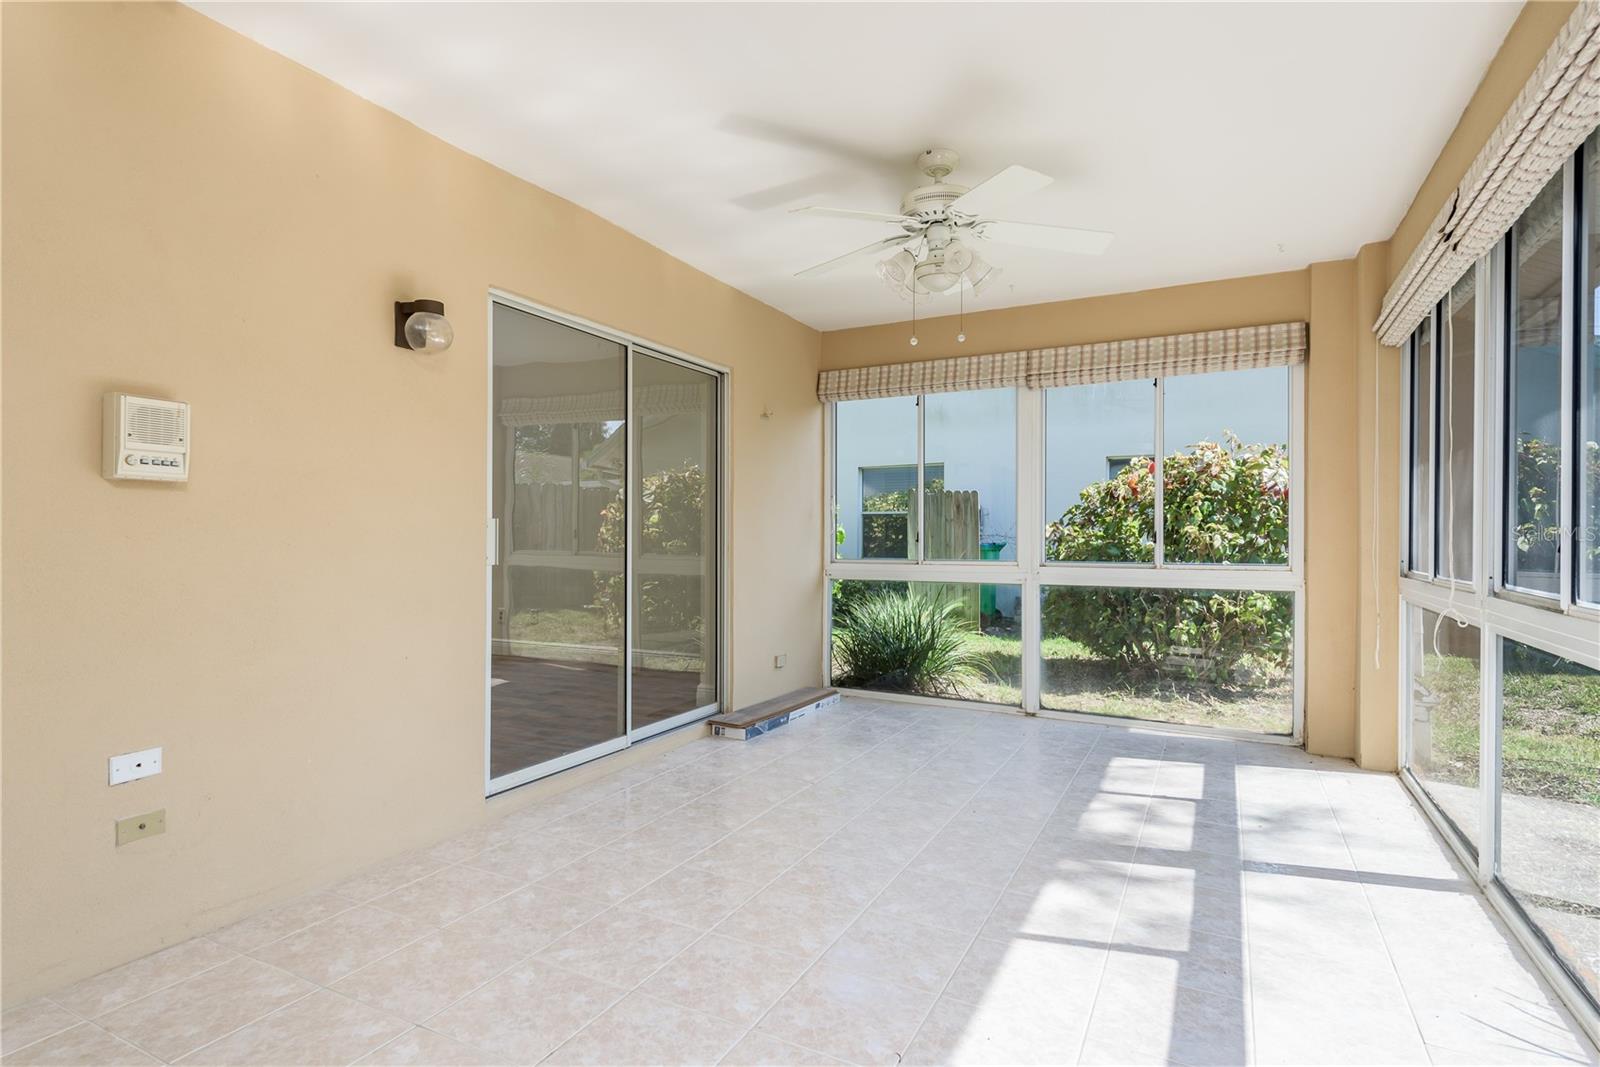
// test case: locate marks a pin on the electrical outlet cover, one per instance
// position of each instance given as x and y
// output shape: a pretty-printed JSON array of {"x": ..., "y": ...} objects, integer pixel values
[
  {"x": 135, "y": 827},
  {"x": 131, "y": 766}
]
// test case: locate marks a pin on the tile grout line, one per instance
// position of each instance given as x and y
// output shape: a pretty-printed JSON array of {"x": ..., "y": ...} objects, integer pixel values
[
  {"x": 320, "y": 987},
  {"x": 77, "y": 1020},
  {"x": 1366, "y": 898},
  {"x": 1244, "y": 914},
  {"x": 751, "y": 1029},
  {"x": 615, "y": 905},
  {"x": 1100, "y": 979},
  {"x": 863, "y": 910},
  {"x": 1032, "y": 842}
]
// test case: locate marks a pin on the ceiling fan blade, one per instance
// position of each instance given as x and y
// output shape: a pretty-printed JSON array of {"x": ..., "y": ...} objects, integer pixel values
[
  {"x": 838, "y": 261},
  {"x": 801, "y": 139},
  {"x": 1052, "y": 238},
  {"x": 788, "y": 192},
  {"x": 845, "y": 213},
  {"x": 1005, "y": 186}
]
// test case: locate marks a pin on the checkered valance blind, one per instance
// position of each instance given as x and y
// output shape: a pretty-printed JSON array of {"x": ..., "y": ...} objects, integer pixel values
[
  {"x": 1276, "y": 345},
  {"x": 1557, "y": 108}
]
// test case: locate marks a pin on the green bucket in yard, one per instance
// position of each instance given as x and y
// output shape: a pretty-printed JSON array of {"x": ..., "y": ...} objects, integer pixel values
[{"x": 988, "y": 550}]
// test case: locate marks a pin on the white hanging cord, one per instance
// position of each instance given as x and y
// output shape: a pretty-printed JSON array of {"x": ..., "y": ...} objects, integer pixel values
[
  {"x": 1377, "y": 605},
  {"x": 961, "y": 313},
  {"x": 913, "y": 310}
]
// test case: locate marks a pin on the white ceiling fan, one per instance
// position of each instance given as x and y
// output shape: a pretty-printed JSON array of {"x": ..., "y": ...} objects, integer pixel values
[{"x": 943, "y": 225}]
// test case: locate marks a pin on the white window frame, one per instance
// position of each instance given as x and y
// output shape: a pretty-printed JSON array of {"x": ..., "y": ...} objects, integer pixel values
[
  {"x": 1552, "y": 624},
  {"x": 1032, "y": 575}
]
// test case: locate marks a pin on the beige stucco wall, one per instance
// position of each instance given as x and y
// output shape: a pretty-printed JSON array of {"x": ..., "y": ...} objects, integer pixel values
[
  {"x": 187, "y": 214},
  {"x": 1214, "y": 305}
]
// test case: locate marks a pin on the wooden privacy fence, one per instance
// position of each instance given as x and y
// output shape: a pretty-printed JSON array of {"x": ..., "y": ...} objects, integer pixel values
[
  {"x": 542, "y": 516},
  {"x": 952, "y": 520}
]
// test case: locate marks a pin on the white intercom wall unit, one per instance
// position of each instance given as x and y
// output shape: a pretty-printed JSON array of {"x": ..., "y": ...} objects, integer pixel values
[{"x": 145, "y": 438}]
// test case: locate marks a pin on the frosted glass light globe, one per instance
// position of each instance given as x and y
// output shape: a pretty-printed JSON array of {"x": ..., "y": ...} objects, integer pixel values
[{"x": 427, "y": 332}]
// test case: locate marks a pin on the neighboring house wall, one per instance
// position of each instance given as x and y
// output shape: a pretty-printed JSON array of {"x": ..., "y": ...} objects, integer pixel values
[{"x": 302, "y": 625}]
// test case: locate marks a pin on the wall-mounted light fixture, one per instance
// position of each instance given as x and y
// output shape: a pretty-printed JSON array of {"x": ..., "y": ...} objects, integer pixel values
[{"x": 420, "y": 326}]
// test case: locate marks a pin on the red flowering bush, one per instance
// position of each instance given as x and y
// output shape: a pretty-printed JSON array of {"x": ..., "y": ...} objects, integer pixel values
[{"x": 1224, "y": 502}]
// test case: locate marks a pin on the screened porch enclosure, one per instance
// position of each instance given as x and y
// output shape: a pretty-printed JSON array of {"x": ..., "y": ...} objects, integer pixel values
[{"x": 1138, "y": 545}]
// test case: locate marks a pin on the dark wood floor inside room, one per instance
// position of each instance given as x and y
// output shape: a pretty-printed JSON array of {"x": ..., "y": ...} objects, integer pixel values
[{"x": 544, "y": 708}]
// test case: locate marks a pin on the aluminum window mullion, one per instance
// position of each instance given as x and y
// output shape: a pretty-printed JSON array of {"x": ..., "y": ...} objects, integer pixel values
[
  {"x": 1159, "y": 504},
  {"x": 1482, "y": 434},
  {"x": 1491, "y": 648},
  {"x": 1497, "y": 379},
  {"x": 1030, "y": 511},
  {"x": 922, "y": 409},
  {"x": 1408, "y": 473},
  {"x": 1297, "y": 458},
  {"x": 1571, "y": 455},
  {"x": 1436, "y": 445},
  {"x": 631, "y": 468}
]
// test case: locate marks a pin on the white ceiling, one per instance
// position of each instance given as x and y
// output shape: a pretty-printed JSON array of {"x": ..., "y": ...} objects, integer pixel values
[{"x": 1216, "y": 140}]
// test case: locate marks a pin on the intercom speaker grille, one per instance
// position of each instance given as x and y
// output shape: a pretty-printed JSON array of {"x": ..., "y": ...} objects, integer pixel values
[{"x": 159, "y": 425}]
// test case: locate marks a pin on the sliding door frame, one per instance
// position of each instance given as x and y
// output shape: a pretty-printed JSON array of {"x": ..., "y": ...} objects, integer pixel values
[{"x": 493, "y": 539}]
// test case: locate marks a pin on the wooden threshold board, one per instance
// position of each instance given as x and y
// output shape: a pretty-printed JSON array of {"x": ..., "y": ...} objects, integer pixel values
[{"x": 757, "y": 719}]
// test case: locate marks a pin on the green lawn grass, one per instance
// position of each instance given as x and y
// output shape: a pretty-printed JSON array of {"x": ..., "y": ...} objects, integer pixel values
[
  {"x": 1550, "y": 732},
  {"x": 1075, "y": 679}
]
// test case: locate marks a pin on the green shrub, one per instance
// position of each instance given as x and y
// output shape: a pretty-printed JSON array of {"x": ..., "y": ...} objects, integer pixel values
[
  {"x": 1227, "y": 637},
  {"x": 905, "y": 640},
  {"x": 1224, "y": 503},
  {"x": 672, "y": 523}
]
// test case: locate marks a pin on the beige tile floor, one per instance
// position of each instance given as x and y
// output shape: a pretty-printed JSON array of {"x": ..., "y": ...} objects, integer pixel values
[{"x": 877, "y": 883}]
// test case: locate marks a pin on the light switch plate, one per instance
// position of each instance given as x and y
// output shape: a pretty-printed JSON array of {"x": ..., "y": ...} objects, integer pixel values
[
  {"x": 131, "y": 766},
  {"x": 780, "y": 661},
  {"x": 135, "y": 827}
]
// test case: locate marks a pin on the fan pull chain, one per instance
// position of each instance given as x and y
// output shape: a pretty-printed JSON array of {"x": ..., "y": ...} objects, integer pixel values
[
  {"x": 961, "y": 313},
  {"x": 913, "y": 312}
]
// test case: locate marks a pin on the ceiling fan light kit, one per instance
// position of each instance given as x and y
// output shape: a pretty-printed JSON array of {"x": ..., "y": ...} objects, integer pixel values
[{"x": 942, "y": 226}]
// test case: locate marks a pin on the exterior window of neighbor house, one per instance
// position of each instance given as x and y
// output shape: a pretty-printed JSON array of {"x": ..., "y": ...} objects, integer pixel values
[{"x": 888, "y": 502}]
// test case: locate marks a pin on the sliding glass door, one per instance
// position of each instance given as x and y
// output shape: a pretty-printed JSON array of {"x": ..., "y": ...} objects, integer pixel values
[
  {"x": 675, "y": 476},
  {"x": 605, "y": 498}
]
